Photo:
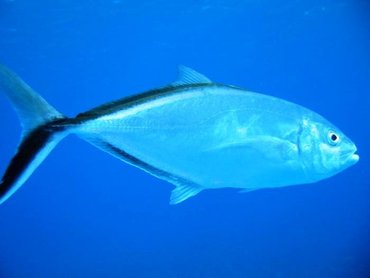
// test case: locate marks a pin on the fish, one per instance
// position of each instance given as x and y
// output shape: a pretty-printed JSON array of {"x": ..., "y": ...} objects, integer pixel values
[{"x": 194, "y": 133}]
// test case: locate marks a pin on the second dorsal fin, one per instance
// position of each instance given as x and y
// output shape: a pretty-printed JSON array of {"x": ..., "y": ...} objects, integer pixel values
[{"x": 187, "y": 76}]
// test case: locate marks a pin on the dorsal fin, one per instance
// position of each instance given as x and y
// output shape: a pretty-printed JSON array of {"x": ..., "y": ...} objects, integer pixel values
[{"x": 188, "y": 76}]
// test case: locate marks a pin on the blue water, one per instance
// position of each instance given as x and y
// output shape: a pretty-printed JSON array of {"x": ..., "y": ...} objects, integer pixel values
[{"x": 86, "y": 214}]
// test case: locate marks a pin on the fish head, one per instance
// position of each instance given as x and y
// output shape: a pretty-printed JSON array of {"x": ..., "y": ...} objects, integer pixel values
[{"x": 325, "y": 149}]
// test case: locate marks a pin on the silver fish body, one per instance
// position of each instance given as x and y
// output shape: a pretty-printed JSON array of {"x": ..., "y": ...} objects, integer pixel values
[{"x": 199, "y": 135}]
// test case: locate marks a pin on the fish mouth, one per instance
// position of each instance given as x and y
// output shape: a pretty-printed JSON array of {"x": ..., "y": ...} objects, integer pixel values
[{"x": 353, "y": 156}]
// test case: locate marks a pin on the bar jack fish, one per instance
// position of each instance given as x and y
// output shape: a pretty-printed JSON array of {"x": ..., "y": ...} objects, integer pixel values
[{"x": 194, "y": 133}]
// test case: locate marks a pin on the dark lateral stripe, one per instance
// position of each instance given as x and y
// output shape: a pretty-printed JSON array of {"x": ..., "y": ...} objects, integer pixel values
[
  {"x": 143, "y": 165},
  {"x": 136, "y": 99},
  {"x": 27, "y": 150}
]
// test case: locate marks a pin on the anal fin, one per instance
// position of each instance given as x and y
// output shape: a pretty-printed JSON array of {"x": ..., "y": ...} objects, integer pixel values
[{"x": 183, "y": 192}]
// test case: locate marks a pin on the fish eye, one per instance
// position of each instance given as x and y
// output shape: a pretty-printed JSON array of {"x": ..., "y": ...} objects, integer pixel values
[{"x": 333, "y": 138}]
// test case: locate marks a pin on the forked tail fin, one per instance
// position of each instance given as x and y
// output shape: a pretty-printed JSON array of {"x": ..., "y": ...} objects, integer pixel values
[{"x": 42, "y": 130}]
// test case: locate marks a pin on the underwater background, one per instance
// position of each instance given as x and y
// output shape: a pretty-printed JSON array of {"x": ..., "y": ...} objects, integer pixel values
[{"x": 84, "y": 213}]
